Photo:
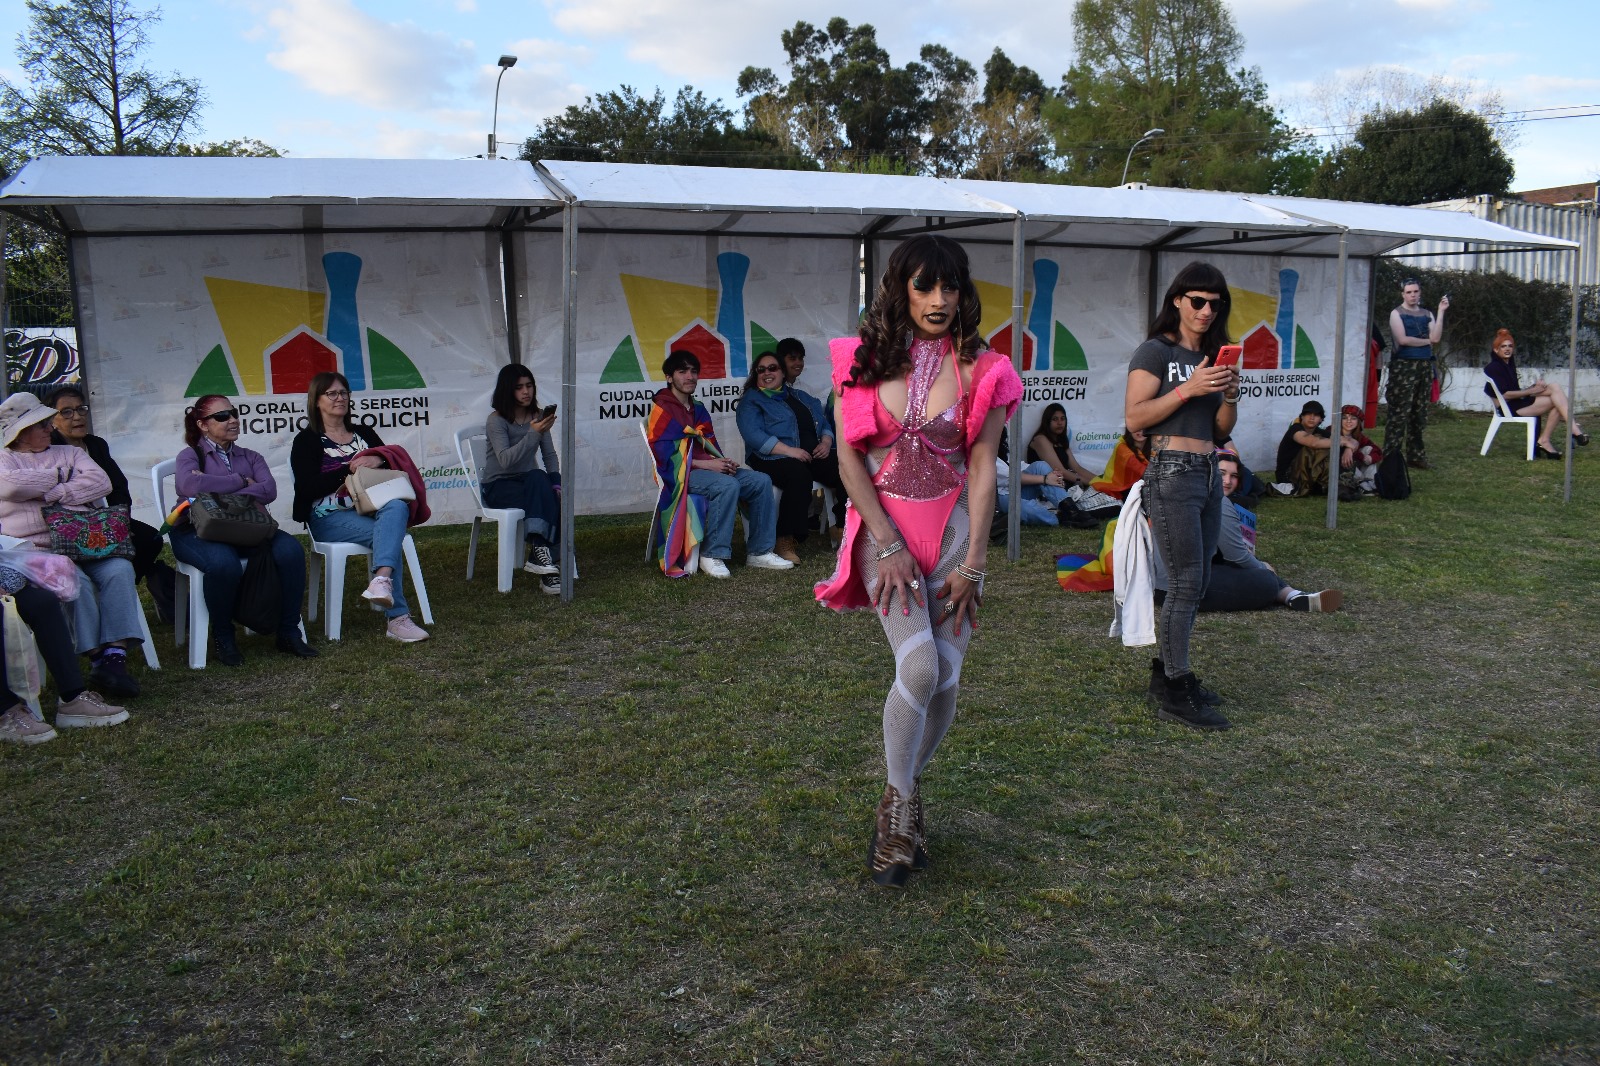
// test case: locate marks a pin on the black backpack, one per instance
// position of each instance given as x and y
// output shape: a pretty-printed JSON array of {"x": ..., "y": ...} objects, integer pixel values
[{"x": 1393, "y": 482}]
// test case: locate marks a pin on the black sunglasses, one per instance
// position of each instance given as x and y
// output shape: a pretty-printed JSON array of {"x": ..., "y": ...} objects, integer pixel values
[
  {"x": 1197, "y": 302},
  {"x": 221, "y": 416},
  {"x": 768, "y": 368}
]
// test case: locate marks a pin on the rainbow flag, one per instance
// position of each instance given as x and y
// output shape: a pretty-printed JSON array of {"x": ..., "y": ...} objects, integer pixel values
[
  {"x": 1088, "y": 573},
  {"x": 682, "y": 515},
  {"x": 1122, "y": 470}
]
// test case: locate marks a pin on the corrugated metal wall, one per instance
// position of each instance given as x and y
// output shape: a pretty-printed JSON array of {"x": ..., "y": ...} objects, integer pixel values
[{"x": 1579, "y": 224}]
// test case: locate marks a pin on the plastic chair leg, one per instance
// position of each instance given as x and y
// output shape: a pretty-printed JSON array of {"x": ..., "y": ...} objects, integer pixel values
[{"x": 409, "y": 547}]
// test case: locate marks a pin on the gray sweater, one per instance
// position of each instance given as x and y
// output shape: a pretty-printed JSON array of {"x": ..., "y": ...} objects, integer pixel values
[{"x": 515, "y": 449}]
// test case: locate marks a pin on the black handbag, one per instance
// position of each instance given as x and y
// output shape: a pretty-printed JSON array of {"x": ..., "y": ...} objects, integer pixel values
[
  {"x": 228, "y": 518},
  {"x": 257, "y": 604}
]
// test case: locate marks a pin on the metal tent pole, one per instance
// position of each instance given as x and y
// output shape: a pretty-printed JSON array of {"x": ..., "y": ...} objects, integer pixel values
[
  {"x": 569, "y": 393},
  {"x": 1572, "y": 376},
  {"x": 1014, "y": 486},
  {"x": 1337, "y": 396}
]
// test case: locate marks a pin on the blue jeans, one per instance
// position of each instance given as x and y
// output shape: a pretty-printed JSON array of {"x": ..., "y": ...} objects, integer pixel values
[
  {"x": 223, "y": 565},
  {"x": 724, "y": 493},
  {"x": 1038, "y": 501},
  {"x": 535, "y": 494},
  {"x": 1183, "y": 500},
  {"x": 383, "y": 533},
  {"x": 107, "y": 607}
]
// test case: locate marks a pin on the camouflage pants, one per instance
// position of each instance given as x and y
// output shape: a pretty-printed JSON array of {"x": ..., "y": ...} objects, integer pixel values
[{"x": 1408, "y": 395}]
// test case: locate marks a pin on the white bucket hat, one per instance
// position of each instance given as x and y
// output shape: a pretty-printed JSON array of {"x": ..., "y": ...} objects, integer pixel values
[{"x": 21, "y": 410}]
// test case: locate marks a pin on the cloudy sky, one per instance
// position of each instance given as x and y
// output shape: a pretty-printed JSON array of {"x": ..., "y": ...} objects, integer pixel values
[{"x": 416, "y": 78}]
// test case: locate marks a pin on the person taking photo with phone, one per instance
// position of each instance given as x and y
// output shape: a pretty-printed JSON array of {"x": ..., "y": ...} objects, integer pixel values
[
  {"x": 519, "y": 444},
  {"x": 1182, "y": 399}
]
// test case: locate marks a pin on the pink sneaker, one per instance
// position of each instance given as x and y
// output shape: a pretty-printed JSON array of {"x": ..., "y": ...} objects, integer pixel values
[
  {"x": 405, "y": 630},
  {"x": 89, "y": 710},
  {"x": 19, "y": 726},
  {"x": 380, "y": 593}
]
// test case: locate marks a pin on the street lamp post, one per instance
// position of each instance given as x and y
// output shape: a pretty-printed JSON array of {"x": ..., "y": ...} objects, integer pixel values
[
  {"x": 506, "y": 63},
  {"x": 1147, "y": 135}
]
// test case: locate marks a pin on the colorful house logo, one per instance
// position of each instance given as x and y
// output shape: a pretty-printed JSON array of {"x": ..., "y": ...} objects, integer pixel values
[
  {"x": 1046, "y": 343},
  {"x": 1283, "y": 345},
  {"x": 276, "y": 339},
  {"x": 669, "y": 315}
]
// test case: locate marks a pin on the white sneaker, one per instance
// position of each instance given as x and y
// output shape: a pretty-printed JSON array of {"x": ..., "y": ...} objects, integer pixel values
[
  {"x": 768, "y": 561},
  {"x": 380, "y": 593},
  {"x": 713, "y": 567},
  {"x": 1283, "y": 488}
]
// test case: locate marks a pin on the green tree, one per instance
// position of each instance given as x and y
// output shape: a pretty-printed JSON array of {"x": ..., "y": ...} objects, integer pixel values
[
  {"x": 628, "y": 127},
  {"x": 1440, "y": 152},
  {"x": 87, "y": 92},
  {"x": 1010, "y": 139},
  {"x": 1172, "y": 65},
  {"x": 849, "y": 107}
]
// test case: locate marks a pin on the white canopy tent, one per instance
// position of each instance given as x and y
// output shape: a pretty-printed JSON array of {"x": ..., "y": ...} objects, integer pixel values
[{"x": 317, "y": 204}]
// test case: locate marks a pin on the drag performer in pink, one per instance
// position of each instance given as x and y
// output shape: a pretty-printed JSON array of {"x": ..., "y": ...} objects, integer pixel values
[{"x": 921, "y": 405}]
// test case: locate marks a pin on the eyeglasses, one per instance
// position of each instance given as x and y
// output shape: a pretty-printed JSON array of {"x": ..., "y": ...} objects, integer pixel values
[
  {"x": 1197, "y": 302},
  {"x": 81, "y": 411},
  {"x": 221, "y": 416},
  {"x": 336, "y": 394},
  {"x": 769, "y": 368}
]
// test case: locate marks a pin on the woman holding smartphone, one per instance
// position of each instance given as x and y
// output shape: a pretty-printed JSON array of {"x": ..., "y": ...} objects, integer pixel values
[
  {"x": 1181, "y": 398},
  {"x": 519, "y": 437}
]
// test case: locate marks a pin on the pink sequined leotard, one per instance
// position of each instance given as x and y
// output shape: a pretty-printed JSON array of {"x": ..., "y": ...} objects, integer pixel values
[{"x": 921, "y": 476}]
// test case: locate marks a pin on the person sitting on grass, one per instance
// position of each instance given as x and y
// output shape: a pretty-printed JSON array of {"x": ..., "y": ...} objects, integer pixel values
[
  {"x": 77, "y": 707},
  {"x": 518, "y": 442},
  {"x": 690, "y": 463},
  {"x": 1239, "y": 580},
  {"x": 1358, "y": 456},
  {"x": 1303, "y": 453}
]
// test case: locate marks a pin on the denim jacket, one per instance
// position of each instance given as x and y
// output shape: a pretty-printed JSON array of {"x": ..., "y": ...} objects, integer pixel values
[{"x": 765, "y": 421}]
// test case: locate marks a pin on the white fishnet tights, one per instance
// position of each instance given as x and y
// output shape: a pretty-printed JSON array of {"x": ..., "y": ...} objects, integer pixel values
[{"x": 927, "y": 657}]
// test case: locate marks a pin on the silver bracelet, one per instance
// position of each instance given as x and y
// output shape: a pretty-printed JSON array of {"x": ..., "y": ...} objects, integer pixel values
[
  {"x": 898, "y": 545},
  {"x": 970, "y": 574}
]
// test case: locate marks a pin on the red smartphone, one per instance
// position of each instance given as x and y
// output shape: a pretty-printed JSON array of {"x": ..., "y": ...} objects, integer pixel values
[{"x": 1230, "y": 354}]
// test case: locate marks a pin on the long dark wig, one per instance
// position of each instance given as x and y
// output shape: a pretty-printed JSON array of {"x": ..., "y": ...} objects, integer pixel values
[
  {"x": 321, "y": 383},
  {"x": 1198, "y": 276},
  {"x": 504, "y": 400},
  {"x": 884, "y": 353}
]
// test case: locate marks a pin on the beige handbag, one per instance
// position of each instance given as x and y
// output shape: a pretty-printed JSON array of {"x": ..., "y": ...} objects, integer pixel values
[{"x": 370, "y": 487}]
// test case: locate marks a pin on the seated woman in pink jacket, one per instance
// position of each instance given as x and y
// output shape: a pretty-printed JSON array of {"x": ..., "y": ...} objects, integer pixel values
[
  {"x": 34, "y": 474},
  {"x": 214, "y": 461}
]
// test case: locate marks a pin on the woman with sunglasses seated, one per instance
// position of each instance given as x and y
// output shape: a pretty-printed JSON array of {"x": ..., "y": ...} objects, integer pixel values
[
  {"x": 35, "y": 474},
  {"x": 71, "y": 426},
  {"x": 787, "y": 436},
  {"x": 214, "y": 461}
]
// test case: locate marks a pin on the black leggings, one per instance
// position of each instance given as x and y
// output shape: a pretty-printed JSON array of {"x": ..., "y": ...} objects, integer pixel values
[{"x": 42, "y": 612}]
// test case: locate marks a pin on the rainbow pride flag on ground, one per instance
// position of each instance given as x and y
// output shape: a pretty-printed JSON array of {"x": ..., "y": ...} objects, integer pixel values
[{"x": 1088, "y": 573}]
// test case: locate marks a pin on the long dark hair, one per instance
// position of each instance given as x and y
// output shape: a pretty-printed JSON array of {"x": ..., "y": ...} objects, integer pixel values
[
  {"x": 1044, "y": 425},
  {"x": 750, "y": 382},
  {"x": 504, "y": 400},
  {"x": 883, "y": 353},
  {"x": 1198, "y": 276},
  {"x": 321, "y": 383}
]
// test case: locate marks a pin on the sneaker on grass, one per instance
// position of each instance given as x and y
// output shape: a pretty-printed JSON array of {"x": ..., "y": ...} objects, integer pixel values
[
  {"x": 1325, "y": 602},
  {"x": 89, "y": 710},
  {"x": 405, "y": 630},
  {"x": 550, "y": 585},
  {"x": 713, "y": 567},
  {"x": 19, "y": 726},
  {"x": 768, "y": 561}
]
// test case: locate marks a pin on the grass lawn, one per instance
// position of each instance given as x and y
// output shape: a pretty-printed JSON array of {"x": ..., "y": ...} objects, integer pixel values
[{"x": 632, "y": 829}]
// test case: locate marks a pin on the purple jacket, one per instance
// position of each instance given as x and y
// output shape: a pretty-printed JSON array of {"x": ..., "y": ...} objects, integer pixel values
[{"x": 191, "y": 479}]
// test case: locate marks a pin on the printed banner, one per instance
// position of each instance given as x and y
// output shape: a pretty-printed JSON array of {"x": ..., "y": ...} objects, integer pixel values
[
  {"x": 40, "y": 358},
  {"x": 414, "y": 320},
  {"x": 726, "y": 299}
]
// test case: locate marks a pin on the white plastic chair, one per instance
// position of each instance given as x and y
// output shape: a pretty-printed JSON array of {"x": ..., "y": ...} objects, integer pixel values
[
  {"x": 334, "y": 555},
  {"x": 1501, "y": 415},
  {"x": 513, "y": 549},
  {"x": 191, "y": 618}
]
